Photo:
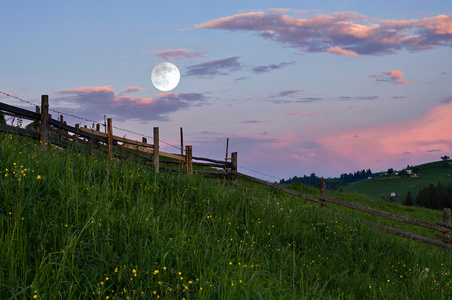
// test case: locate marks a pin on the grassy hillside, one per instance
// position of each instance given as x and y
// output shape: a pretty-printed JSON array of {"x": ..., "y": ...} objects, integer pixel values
[
  {"x": 75, "y": 226},
  {"x": 383, "y": 186}
]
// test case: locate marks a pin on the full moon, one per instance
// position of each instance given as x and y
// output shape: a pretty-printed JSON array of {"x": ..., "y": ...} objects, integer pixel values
[{"x": 165, "y": 76}]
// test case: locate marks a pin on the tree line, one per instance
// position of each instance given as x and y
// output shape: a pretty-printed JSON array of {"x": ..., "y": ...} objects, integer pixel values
[
  {"x": 434, "y": 197},
  {"x": 331, "y": 183}
]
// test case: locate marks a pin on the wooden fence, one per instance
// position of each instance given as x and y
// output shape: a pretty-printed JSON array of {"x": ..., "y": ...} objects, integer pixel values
[
  {"x": 63, "y": 135},
  {"x": 444, "y": 227}
]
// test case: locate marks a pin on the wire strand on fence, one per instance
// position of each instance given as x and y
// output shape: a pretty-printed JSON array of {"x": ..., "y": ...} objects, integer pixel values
[
  {"x": 12, "y": 96},
  {"x": 257, "y": 172},
  {"x": 122, "y": 129},
  {"x": 88, "y": 120}
]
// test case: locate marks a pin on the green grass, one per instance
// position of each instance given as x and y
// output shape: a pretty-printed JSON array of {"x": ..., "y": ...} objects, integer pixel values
[
  {"x": 383, "y": 186},
  {"x": 80, "y": 227}
]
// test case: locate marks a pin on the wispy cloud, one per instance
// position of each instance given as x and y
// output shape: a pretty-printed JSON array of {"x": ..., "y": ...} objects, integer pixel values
[
  {"x": 297, "y": 100},
  {"x": 255, "y": 122},
  {"x": 344, "y": 33},
  {"x": 215, "y": 67},
  {"x": 286, "y": 93},
  {"x": 394, "y": 76},
  {"x": 178, "y": 54},
  {"x": 130, "y": 90},
  {"x": 291, "y": 96},
  {"x": 301, "y": 114},
  {"x": 94, "y": 102},
  {"x": 359, "y": 97},
  {"x": 268, "y": 68},
  {"x": 339, "y": 51}
]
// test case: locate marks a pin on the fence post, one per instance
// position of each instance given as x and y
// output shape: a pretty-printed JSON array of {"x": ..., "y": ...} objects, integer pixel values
[
  {"x": 77, "y": 126},
  {"x": 446, "y": 219},
  {"x": 189, "y": 159},
  {"x": 181, "y": 147},
  {"x": 322, "y": 191},
  {"x": 234, "y": 166},
  {"x": 156, "y": 149},
  {"x": 37, "y": 124},
  {"x": 226, "y": 157},
  {"x": 59, "y": 129},
  {"x": 43, "y": 132},
  {"x": 109, "y": 138}
]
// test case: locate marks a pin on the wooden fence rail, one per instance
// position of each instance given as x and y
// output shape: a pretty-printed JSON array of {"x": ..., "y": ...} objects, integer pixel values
[
  {"x": 61, "y": 134},
  {"x": 45, "y": 125},
  {"x": 444, "y": 226}
]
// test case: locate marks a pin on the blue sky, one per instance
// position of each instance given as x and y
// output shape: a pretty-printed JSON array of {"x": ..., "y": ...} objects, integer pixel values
[{"x": 299, "y": 87}]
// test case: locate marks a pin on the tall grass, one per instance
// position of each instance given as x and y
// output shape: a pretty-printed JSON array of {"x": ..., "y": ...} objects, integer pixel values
[{"x": 76, "y": 226}]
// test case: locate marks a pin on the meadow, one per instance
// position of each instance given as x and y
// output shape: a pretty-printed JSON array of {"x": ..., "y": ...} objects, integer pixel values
[
  {"x": 76, "y": 226},
  {"x": 383, "y": 186}
]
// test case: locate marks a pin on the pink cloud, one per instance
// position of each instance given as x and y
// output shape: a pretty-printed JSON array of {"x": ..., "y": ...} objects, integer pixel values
[
  {"x": 392, "y": 76},
  {"x": 177, "y": 54},
  {"x": 327, "y": 151},
  {"x": 370, "y": 145},
  {"x": 397, "y": 76},
  {"x": 340, "y": 51},
  {"x": 372, "y": 75},
  {"x": 279, "y": 10},
  {"x": 130, "y": 90},
  {"x": 346, "y": 33},
  {"x": 95, "y": 102}
]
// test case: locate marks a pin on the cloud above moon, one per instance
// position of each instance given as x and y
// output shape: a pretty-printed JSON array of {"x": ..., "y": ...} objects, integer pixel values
[
  {"x": 342, "y": 33},
  {"x": 178, "y": 54}
]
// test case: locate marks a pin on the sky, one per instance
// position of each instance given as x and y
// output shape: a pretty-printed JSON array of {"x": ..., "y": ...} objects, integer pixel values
[{"x": 298, "y": 87}]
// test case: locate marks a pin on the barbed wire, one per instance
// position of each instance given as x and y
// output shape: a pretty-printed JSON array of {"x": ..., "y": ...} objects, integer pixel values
[
  {"x": 125, "y": 130},
  {"x": 257, "y": 172},
  {"x": 88, "y": 120},
  {"x": 12, "y": 96}
]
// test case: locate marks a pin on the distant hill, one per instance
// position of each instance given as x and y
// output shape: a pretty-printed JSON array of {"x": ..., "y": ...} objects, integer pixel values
[{"x": 383, "y": 185}]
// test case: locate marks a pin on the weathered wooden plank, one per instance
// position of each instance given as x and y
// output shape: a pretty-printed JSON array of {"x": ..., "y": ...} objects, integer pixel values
[
  {"x": 20, "y": 111},
  {"x": 383, "y": 213},
  {"x": 412, "y": 236},
  {"x": 132, "y": 142},
  {"x": 212, "y": 160},
  {"x": 95, "y": 132},
  {"x": 278, "y": 187},
  {"x": 137, "y": 148},
  {"x": 76, "y": 130},
  {"x": 170, "y": 162},
  {"x": 16, "y": 115},
  {"x": 20, "y": 131},
  {"x": 173, "y": 156},
  {"x": 444, "y": 224},
  {"x": 221, "y": 166},
  {"x": 443, "y": 238}
]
